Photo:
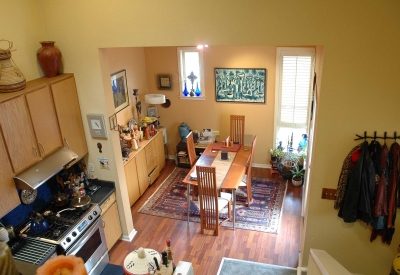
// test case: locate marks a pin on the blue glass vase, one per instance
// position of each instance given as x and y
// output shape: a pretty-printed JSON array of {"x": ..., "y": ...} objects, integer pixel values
[
  {"x": 197, "y": 92},
  {"x": 185, "y": 91}
]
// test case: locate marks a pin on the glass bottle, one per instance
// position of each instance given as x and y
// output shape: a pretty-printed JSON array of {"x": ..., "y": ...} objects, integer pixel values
[
  {"x": 185, "y": 91},
  {"x": 197, "y": 92}
]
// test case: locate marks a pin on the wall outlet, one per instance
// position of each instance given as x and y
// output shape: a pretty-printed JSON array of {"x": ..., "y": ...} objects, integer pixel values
[
  {"x": 328, "y": 194},
  {"x": 216, "y": 132},
  {"x": 91, "y": 167}
]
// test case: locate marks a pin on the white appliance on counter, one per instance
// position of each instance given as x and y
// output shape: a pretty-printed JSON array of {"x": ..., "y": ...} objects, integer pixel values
[{"x": 184, "y": 268}]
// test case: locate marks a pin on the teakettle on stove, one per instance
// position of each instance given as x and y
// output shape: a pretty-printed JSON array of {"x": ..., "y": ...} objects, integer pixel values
[{"x": 38, "y": 223}]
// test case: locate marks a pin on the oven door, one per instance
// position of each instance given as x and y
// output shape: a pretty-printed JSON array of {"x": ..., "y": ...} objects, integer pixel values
[{"x": 92, "y": 248}]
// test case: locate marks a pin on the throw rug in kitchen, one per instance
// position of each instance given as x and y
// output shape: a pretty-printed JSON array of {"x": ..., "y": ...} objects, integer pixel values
[{"x": 170, "y": 201}]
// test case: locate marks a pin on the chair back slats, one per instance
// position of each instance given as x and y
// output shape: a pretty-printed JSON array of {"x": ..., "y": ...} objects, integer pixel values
[
  {"x": 208, "y": 197},
  {"x": 191, "y": 150},
  {"x": 237, "y": 129},
  {"x": 248, "y": 173}
]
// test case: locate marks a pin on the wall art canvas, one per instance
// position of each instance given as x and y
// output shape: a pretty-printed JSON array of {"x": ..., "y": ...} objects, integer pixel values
[
  {"x": 240, "y": 85},
  {"x": 120, "y": 90}
]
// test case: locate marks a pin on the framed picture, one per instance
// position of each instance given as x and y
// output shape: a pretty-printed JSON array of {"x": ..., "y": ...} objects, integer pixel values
[
  {"x": 164, "y": 82},
  {"x": 240, "y": 85},
  {"x": 152, "y": 111},
  {"x": 120, "y": 90}
]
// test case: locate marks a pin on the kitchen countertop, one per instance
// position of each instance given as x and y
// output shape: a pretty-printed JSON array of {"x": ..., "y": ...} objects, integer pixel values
[{"x": 107, "y": 188}]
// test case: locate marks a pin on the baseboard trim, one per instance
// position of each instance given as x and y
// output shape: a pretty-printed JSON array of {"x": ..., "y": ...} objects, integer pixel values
[{"x": 130, "y": 237}]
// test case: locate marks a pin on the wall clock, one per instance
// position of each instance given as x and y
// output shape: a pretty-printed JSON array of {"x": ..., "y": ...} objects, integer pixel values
[
  {"x": 96, "y": 126},
  {"x": 28, "y": 196}
]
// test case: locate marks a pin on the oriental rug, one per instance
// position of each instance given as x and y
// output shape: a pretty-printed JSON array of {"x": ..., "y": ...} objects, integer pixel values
[
  {"x": 170, "y": 201},
  {"x": 230, "y": 266}
]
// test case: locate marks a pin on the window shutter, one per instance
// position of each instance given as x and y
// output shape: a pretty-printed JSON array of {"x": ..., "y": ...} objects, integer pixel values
[{"x": 296, "y": 81}]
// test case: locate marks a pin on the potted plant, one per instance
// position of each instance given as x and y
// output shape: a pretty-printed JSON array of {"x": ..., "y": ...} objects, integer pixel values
[
  {"x": 276, "y": 154},
  {"x": 297, "y": 176},
  {"x": 287, "y": 164}
]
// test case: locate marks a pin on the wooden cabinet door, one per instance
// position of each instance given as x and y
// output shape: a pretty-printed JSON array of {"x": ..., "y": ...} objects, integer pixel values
[
  {"x": 69, "y": 116},
  {"x": 112, "y": 229},
  {"x": 44, "y": 119},
  {"x": 18, "y": 133},
  {"x": 10, "y": 198},
  {"x": 141, "y": 167},
  {"x": 132, "y": 181},
  {"x": 159, "y": 140}
]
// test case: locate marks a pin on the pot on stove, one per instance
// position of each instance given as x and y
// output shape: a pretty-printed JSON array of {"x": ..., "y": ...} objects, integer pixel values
[
  {"x": 38, "y": 223},
  {"x": 60, "y": 199}
]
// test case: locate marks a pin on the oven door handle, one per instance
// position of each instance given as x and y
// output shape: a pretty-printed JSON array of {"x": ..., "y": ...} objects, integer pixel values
[{"x": 82, "y": 240}]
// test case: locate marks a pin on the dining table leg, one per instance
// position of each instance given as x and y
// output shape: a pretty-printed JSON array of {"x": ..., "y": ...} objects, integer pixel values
[
  {"x": 188, "y": 202},
  {"x": 234, "y": 207}
]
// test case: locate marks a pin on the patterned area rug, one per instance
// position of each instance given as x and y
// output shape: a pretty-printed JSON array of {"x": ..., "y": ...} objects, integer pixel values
[
  {"x": 170, "y": 200},
  {"x": 240, "y": 267}
]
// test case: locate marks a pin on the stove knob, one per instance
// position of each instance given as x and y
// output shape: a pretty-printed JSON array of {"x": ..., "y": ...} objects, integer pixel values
[
  {"x": 95, "y": 213},
  {"x": 68, "y": 240},
  {"x": 90, "y": 218},
  {"x": 74, "y": 234}
]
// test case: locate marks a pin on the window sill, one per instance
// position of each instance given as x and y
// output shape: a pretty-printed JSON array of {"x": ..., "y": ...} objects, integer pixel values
[{"x": 192, "y": 98}]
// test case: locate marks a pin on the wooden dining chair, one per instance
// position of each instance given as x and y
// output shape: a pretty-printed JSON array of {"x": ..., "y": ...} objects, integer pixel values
[
  {"x": 211, "y": 200},
  {"x": 190, "y": 149},
  {"x": 246, "y": 181},
  {"x": 237, "y": 129}
]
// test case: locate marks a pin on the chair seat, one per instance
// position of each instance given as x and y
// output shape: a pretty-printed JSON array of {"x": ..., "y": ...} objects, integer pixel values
[{"x": 222, "y": 201}]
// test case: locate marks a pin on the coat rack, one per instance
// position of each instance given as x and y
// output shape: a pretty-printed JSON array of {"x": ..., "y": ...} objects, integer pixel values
[{"x": 395, "y": 136}]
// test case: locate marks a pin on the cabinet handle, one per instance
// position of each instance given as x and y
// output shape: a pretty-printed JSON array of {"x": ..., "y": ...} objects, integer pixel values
[
  {"x": 66, "y": 141},
  {"x": 36, "y": 151},
  {"x": 41, "y": 145}
]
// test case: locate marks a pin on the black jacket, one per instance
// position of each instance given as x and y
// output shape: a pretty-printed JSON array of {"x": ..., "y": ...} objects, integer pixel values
[{"x": 360, "y": 189}]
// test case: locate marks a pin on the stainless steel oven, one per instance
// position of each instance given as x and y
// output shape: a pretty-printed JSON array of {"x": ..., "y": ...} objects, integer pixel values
[{"x": 92, "y": 248}]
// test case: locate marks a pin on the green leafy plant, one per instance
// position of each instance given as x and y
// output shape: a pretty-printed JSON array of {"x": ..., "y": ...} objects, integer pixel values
[{"x": 297, "y": 173}]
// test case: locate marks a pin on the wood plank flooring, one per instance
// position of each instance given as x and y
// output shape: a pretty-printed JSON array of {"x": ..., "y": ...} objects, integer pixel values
[{"x": 206, "y": 251}]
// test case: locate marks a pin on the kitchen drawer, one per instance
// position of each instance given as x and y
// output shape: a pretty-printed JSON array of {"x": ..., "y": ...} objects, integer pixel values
[
  {"x": 151, "y": 165},
  {"x": 149, "y": 147},
  {"x": 105, "y": 205},
  {"x": 153, "y": 175},
  {"x": 151, "y": 156}
]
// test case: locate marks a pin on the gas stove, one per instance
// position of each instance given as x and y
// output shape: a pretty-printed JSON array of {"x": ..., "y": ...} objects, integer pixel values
[{"x": 65, "y": 229}]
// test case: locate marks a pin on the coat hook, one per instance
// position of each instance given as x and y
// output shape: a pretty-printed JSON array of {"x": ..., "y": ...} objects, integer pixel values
[
  {"x": 384, "y": 136},
  {"x": 395, "y": 136},
  {"x": 365, "y": 135},
  {"x": 375, "y": 135}
]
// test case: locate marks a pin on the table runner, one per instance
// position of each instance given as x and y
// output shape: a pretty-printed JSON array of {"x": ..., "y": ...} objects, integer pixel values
[{"x": 222, "y": 166}]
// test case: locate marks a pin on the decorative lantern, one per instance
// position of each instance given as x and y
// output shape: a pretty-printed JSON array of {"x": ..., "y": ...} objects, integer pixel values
[{"x": 11, "y": 78}]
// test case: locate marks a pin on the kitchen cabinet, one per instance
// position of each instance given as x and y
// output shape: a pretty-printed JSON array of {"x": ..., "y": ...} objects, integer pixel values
[
  {"x": 151, "y": 161},
  {"x": 69, "y": 116},
  {"x": 44, "y": 120},
  {"x": 132, "y": 181},
  {"x": 142, "y": 166},
  {"x": 10, "y": 198},
  {"x": 159, "y": 142},
  {"x": 19, "y": 136},
  {"x": 112, "y": 225}
]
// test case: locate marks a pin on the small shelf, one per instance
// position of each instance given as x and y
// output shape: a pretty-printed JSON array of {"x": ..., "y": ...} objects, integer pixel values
[{"x": 183, "y": 160}]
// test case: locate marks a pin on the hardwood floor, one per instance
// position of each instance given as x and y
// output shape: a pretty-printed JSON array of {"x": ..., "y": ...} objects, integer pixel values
[{"x": 206, "y": 251}]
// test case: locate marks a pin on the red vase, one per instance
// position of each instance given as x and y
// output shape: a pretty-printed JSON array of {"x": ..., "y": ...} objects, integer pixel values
[{"x": 49, "y": 58}]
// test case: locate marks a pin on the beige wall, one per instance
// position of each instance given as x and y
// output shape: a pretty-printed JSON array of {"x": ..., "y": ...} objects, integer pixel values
[
  {"x": 209, "y": 113},
  {"x": 360, "y": 70}
]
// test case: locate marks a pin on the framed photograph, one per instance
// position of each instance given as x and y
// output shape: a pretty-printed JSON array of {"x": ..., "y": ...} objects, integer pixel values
[
  {"x": 240, "y": 85},
  {"x": 120, "y": 90},
  {"x": 152, "y": 111},
  {"x": 164, "y": 82}
]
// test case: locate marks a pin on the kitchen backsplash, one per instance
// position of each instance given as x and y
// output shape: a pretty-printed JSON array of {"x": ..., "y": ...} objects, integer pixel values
[{"x": 45, "y": 195}]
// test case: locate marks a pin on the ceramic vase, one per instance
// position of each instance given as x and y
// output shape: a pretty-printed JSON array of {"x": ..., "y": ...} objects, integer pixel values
[{"x": 49, "y": 58}]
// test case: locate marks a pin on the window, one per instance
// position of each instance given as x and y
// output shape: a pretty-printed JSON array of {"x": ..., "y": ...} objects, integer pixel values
[
  {"x": 295, "y": 70},
  {"x": 191, "y": 73}
]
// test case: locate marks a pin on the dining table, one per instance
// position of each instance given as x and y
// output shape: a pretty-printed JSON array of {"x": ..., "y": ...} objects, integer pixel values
[{"x": 230, "y": 177}]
